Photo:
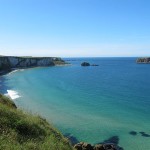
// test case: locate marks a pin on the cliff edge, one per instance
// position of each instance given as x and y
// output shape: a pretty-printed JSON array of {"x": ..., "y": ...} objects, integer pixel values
[
  {"x": 23, "y": 131},
  {"x": 9, "y": 62}
]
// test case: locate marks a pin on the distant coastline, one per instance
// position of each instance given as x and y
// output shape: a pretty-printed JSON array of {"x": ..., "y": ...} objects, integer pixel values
[
  {"x": 102, "y": 145},
  {"x": 11, "y": 63},
  {"x": 143, "y": 60}
]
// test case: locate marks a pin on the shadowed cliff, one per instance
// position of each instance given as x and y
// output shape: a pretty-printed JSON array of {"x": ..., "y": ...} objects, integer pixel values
[{"x": 9, "y": 62}]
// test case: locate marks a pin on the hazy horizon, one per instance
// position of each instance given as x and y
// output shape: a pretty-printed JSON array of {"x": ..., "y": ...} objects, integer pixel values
[{"x": 78, "y": 56}]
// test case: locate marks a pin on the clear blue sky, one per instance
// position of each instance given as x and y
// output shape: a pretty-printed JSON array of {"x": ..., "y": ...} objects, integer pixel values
[{"x": 75, "y": 27}]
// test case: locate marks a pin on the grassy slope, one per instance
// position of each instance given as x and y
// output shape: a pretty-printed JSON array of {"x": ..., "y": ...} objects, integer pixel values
[{"x": 22, "y": 131}]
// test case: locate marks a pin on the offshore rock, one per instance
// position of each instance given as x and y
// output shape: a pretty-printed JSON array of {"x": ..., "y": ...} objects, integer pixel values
[{"x": 85, "y": 64}]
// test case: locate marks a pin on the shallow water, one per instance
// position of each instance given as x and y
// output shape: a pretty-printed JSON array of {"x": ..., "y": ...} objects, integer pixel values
[{"x": 92, "y": 104}]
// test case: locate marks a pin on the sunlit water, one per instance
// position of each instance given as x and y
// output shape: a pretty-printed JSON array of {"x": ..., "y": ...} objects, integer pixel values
[{"x": 91, "y": 104}]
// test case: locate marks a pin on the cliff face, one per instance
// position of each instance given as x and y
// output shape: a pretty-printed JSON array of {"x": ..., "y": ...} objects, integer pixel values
[
  {"x": 145, "y": 60},
  {"x": 8, "y": 62}
]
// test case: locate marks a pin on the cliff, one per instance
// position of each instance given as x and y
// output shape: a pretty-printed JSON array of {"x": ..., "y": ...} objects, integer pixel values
[
  {"x": 19, "y": 130},
  {"x": 145, "y": 60},
  {"x": 9, "y": 62}
]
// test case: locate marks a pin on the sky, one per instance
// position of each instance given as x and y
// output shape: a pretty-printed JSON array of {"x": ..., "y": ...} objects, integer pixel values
[{"x": 75, "y": 28}]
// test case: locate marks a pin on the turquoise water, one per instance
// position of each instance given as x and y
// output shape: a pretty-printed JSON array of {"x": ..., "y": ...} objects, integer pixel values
[{"x": 91, "y": 104}]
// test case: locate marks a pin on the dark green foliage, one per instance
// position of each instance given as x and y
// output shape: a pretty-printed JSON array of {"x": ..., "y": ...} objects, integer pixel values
[{"x": 5, "y": 100}]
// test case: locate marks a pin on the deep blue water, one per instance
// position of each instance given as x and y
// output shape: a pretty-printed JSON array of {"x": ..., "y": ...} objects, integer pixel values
[{"x": 92, "y": 104}]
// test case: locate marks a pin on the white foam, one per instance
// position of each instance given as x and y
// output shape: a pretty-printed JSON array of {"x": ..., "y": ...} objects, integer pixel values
[
  {"x": 13, "y": 94},
  {"x": 16, "y": 70},
  {"x": 13, "y": 71}
]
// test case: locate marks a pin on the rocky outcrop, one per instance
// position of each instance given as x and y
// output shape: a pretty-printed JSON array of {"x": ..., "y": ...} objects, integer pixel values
[
  {"x": 9, "y": 62},
  {"x": 85, "y": 64},
  {"x": 145, "y": 60},
  {"x": 86, "y": 146},
  {"x": 83, "y": 146}
]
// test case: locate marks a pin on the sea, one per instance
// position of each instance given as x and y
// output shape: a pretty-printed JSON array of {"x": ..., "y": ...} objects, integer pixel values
[{"x": 95, "y": 104}]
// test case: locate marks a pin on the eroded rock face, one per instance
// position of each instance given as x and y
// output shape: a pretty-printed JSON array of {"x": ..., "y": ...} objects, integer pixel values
[{"x": 8, "y": 62}]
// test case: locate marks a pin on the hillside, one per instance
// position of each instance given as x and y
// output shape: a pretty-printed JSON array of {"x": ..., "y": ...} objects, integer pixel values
[{"x": 23, "y": 131}]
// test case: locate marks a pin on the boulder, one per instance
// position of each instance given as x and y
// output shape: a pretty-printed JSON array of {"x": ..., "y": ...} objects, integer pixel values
[
  {"x": 109, "y": 146},
  {"x": 83, "y": 146},
  {"x": 78, "y": 146},
  {"x": 87, "y": 146},
  {"x": 98, "y": 147}
]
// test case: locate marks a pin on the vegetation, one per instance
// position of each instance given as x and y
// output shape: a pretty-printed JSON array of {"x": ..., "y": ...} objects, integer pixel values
[
  {"x": 23, "y": 131},
  {"x": 6, "y": 101}
]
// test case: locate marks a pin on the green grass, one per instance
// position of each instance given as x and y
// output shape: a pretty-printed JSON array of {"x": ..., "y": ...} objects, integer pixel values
[
  {"x": 6, "y": 101},
  {"x": 23, "y": 131}
]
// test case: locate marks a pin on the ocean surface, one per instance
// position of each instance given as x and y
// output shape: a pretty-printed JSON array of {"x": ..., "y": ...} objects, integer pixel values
[{"x": 109, "y": 102}]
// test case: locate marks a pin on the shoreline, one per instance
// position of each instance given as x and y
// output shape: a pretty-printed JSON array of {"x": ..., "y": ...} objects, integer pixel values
[
  {"x": 13, "y": 70},
  {"x": 4, "y": 72},
  {"x": 9, "y": 63},
  {"x": 17, "y": 69}
]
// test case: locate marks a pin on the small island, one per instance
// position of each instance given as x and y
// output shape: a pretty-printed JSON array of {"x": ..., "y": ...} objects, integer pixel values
[
  {"x": 144, "y": 60},
  {"x": 85, "y": 64}
]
